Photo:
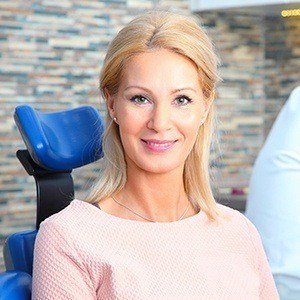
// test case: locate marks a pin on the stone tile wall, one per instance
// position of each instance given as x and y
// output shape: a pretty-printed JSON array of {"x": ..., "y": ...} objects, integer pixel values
[
  {"x": 239, "y": 40},
  {"x": 282, "y": 64},
  {"x": 51, "y": 54}
]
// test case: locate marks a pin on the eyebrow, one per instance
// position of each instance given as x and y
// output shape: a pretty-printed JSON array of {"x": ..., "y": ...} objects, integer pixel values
[{"x": 173, "y": 92}]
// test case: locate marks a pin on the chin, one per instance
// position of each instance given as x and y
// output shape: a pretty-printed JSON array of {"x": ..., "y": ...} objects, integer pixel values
[
  {"x": 158, "y": 167},
  {"x": 158, "y": 164}
]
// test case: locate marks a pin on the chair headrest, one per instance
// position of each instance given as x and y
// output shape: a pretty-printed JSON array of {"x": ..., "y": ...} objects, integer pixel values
[{"x": 61, "y": 140}]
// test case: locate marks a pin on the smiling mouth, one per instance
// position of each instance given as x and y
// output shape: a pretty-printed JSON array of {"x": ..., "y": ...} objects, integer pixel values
[
  {"x": 157, "y": 143},
  {"x": 158, "y": 146}
]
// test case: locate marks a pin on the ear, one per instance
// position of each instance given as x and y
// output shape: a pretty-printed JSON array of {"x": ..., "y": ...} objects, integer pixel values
[{"x": 110, "y": 102}]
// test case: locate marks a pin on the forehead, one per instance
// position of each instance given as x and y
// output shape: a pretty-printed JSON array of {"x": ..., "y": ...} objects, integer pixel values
[{"x": 160, "y": 66}]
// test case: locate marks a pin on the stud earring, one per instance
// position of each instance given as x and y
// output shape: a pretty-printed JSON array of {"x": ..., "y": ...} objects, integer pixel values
[{"x": 115, "y": 119}]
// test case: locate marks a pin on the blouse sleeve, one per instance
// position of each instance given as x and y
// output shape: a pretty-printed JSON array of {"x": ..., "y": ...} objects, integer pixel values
[
  {"x": 58, "y": 273},
  {"x": 268, "y": 289}
]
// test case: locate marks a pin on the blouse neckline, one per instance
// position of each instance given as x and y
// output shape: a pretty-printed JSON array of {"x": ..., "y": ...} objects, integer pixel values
[{"x": 122, "y": 221}]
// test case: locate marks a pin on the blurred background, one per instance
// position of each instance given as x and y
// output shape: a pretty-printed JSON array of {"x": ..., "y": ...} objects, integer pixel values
[{"x": 51, "y": 54}]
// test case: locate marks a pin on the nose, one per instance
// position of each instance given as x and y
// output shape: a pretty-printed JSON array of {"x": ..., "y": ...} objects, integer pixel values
[{"x": 160, "y": 119}]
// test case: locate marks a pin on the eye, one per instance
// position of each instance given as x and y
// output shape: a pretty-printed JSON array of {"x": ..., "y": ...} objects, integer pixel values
[
  {"x": 139, "y": 99},
  {"x": 183, "y": 100}
]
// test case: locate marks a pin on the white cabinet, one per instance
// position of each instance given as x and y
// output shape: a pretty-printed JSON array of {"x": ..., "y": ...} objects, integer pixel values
[{"x": 201, "y": 5}]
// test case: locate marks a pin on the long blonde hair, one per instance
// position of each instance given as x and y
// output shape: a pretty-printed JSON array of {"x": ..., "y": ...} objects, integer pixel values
[{"x": 153, "y": 30}]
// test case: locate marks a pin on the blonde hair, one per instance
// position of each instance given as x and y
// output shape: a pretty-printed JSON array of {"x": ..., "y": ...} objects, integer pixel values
[{"x": 150, "y": 31}]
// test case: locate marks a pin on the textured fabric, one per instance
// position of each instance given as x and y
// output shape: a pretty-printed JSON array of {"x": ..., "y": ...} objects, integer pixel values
[
  {"x": 273, "y": 203},
  {"x": 83, "y": 252}
]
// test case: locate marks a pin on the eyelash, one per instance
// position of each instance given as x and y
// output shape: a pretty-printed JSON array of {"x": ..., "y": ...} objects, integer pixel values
[{"x": 181, "y": 96}]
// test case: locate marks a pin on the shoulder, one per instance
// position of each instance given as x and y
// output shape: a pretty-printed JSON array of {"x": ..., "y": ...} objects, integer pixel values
[
  {"x": 239, "y": 232},
  {"x": 64, "y": 214},
  {"x": 239, "y": 223},
  {"x": 70, "y": 219},
  {"x": 232, "y": 216}
]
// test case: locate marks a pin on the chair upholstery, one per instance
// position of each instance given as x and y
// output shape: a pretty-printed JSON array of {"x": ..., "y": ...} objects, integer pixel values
[
  {"x": 15, "y": 285},
  {"x": 18, "y": 251},
  {"x": 61, "y": 140}
]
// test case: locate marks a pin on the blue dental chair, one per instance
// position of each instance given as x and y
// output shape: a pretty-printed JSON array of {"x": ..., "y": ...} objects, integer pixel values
[{"x": 56, "y": 143}]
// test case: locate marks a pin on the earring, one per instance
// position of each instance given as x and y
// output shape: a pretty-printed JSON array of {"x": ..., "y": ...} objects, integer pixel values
[{"x": 115, "y": 119}]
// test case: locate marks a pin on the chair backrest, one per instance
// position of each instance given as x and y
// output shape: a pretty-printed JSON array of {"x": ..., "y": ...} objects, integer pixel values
[
  {"x": 18, "y": 251},
  {"x": 57, "y": 142},
  {"x": 15, "y": 285}
]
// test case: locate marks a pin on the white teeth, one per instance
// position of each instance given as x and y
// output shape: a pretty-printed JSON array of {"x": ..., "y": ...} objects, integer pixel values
[{"x": 159, "y": 145}]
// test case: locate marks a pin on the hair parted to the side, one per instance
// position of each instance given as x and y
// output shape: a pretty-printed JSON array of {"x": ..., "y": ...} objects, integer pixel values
[{"x": 153, "y": 30}]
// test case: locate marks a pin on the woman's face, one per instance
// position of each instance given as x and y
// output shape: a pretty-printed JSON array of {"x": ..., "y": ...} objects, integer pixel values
[{"x": 159, "y": 107}]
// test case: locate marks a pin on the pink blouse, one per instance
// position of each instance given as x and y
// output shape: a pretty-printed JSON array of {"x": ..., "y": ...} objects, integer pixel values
[{"x": 85, "y": 253}]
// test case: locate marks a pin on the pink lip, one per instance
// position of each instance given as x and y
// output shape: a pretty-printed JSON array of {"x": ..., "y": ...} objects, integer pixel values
[
  {"x": 159, "y": 145},
  {"x": 159, "y": 141}
]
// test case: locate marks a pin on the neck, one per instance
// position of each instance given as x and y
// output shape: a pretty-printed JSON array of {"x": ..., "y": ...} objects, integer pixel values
[{"x": 159, "y": 196}]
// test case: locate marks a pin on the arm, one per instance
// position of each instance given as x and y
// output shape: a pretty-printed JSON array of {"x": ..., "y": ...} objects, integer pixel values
[
  {"x": 268, "y": 289},
  {"x": 57, "y": 271}
]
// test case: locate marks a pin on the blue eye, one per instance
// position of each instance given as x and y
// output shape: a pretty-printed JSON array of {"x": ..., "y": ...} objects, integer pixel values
[
  {"x": 136, "y": 99},
  {"x": 182, "y": 97}
]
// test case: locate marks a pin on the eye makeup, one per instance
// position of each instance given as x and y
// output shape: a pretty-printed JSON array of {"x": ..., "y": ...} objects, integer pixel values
[{"x": 139, "y": 96}]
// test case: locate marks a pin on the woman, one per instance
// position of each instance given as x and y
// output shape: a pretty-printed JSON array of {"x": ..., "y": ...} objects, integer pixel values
[{"x": 150, "y": 228}]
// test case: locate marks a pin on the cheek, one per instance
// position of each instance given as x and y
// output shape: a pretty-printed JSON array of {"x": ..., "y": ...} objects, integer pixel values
[
  {"x": 131, "y": 125},
  {"x": 190, "y": 123}
]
